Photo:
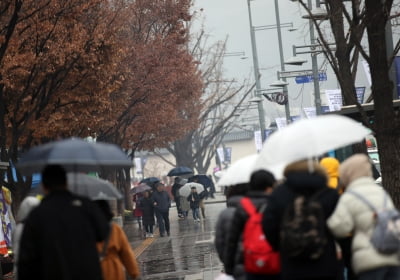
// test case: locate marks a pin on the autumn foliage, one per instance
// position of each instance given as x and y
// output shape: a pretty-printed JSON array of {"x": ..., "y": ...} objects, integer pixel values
[{"x": 116, "y": 70}]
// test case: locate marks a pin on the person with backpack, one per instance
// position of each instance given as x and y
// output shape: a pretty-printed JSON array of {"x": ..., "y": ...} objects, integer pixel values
[
  {"x": 260, "y": 260},
  {"x": 224, "y": 225},
  {"x": 294, "y": 223},
  {"x": 366, "y": 210}
]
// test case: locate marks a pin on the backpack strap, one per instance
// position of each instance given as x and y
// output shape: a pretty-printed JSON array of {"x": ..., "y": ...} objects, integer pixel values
[
  {"x": 250, "y": 208},
  {"x": 363, "y": 199}
]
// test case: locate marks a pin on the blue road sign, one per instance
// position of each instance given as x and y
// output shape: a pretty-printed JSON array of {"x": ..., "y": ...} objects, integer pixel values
[{"x": 310, "y": 78}]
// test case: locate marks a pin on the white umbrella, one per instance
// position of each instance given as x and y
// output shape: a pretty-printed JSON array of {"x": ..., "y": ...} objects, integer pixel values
[
  {"x": 186, "y": 189},
  {"x": 239, "y": 172},
  {"x": 308, "y": 138}
]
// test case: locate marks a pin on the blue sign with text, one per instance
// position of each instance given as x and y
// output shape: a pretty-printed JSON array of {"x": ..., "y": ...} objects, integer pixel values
[{"x": 310, "y": 78}]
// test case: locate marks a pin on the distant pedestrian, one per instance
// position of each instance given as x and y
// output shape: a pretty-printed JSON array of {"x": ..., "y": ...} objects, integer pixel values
[
  {"x": 162, "y": 203},
  {"x": 60, "y": 234},
  {"x": 185, "y": 206},
  {"x": 224, "y": 227},
  {"x": 137, "y": 211},
  {"x": 147, "y": 204},
  {"x": 313, "y": 257},
  {"x": 355, "y": 214},
  {"x": 261, "y": 185},
  {"x": 178, "y": 183},
  {"x": 115, "y": 252},
  {"x": 194, "y": 200}
]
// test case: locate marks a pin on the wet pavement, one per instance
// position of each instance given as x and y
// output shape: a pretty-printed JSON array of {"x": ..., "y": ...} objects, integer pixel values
[{"x": 188, "y": 254}]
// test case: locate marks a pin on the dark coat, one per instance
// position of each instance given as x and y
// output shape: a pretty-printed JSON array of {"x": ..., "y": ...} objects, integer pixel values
[
  {"x": 194, "y": 200},
  {"x": 222, "y": 229},
  {"x": 237, "y": 226},
  {"x": 59, "y": 239},
  {"x": 147, "y": 206},
  {"x": 300, "y": 181},
  {"x": 163, "y": 201}
]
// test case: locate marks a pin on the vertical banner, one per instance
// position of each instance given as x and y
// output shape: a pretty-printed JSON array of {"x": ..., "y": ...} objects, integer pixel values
[
  {"x": 5, "y": 215},
  {"x": 281, "y": 122},
  {"x": 227, "y": 154},
  {"x": 310, "y": 112},
  {"x": 334, "y": 98},
  {"x": 138, "y": 165},
  {"x": 258, "y": 140},
  {"x": 360, "y": 91},
  {"x": 220, "y": 153}
]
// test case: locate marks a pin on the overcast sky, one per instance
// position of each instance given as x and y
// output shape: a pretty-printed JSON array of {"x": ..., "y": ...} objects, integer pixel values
[{"x": 230, "y": 18}]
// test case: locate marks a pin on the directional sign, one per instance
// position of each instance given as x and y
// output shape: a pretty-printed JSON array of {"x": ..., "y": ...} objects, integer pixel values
[{"x": 310, "y": 78}]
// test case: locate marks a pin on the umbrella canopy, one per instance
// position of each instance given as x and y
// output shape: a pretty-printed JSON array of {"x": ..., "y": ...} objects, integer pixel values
[
  {"x": 202, "y": 179},
  {"x": 139, "y": 189},
  {"x": 239, "y": 172},
  {"x": 306, "y": 139},
  {"x": 186, "y": 189},
  {"x": 73, "y": 154},
  {"x": 150, "y": 181},
  {"x": 180, "y": 170},
  {"x": 92, "y": 187}
]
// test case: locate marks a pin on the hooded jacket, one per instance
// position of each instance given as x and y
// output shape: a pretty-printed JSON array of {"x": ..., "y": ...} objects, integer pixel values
[
  {"x": 353, "y": 215},
  {"x": 222, "y": 229},
  {"x": 331, "y": 166},
  {"x": 302, "y": 178}
]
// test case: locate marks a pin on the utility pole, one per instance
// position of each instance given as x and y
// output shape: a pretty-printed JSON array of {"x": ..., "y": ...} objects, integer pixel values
[{"x": 256, "y": 74}]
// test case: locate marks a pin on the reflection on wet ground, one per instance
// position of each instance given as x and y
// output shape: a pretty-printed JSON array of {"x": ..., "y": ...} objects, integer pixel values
[{"x": 187, "y": 254}]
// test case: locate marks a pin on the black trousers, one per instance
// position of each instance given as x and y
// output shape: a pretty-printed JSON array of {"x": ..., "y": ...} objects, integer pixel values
[{"x": 163, "y": 221}]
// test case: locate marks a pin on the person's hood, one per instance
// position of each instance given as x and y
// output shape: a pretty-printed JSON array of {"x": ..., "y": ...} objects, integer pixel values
[
  {"x": 305, "y": 175},
  {"x": 26, "y": 207},
  {"x": 355, "y": 167},
  {"x": 234, "y": 201},
  {"x": 331, "y": 166}
]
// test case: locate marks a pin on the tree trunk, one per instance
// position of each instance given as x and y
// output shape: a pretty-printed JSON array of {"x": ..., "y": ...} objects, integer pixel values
[{"x": 386, "y": 121}]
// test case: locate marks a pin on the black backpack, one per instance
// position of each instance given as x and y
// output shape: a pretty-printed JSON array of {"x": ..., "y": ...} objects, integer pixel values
[{"x": 302, "y": 233}]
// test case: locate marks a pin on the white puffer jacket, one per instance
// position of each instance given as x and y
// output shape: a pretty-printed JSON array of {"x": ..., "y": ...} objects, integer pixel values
[{"x": 353, "y": 215}]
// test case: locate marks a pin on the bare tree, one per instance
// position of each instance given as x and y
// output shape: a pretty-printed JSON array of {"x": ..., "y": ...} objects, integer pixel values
[
  {"x": 221, "y": 100},
  {"x": 350, "y": 21}
]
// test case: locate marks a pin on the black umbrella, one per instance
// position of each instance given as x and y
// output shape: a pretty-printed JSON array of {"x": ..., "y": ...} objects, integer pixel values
[
  {"x": 150, "y": 181},
  {"x": 180, "y": 170},
  {"x": 73, "y": 154}
]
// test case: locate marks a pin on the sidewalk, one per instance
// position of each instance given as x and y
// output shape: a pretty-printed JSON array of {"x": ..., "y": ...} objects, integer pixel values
[{"x": 188, "y": 254}]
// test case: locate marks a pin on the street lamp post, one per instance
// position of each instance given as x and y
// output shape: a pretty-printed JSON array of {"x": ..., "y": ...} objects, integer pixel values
[
  {"x": 285, "y": 90},
  {"x": 256, "y": 73},
  {"x": 314, "y": 65}
]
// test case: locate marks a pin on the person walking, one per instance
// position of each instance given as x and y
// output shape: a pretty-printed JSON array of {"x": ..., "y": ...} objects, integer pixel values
[
  {"x": 305, "y": 185},
  {"x": 185, "y": 206},
  {"x": 148, "y": 213},
  {"x": 224, "y": 227},
  {"x": 116, "y": 255},
  {"x": 355, "y": 214},
  {"x": 162, "y": 203},
  {"x": 178, "y": 183},
  {"x": 60, "y": 234},
  {"x": 331, "y": 166},
  {"x": 260, "y": 186},
  {"x": 194, "y": 200}
]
